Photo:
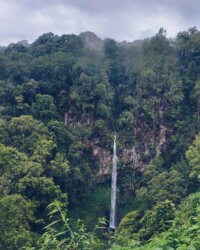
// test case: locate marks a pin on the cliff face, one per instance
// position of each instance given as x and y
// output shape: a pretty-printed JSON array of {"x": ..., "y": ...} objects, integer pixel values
[{"x": 130, "y": 153}]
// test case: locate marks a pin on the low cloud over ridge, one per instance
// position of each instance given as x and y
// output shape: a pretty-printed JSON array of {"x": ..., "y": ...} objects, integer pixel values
[{"x": 122, "y": 20}]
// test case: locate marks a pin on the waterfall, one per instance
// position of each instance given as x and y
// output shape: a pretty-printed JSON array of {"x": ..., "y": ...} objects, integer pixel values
[{"x": 113, "y": 187}]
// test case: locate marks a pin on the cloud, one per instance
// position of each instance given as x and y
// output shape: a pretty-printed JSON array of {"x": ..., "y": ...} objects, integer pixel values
[{"x": 122, "y": 20}]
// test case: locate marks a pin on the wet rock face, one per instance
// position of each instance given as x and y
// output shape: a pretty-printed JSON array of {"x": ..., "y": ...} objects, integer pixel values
[
  {"x": 105, "y": 160},
  {"x": 161, "y": 139},
  {"x": 74, "y": 120},
  {"x": 133, "y": 156},
  {"x": 103, "y": 157}
]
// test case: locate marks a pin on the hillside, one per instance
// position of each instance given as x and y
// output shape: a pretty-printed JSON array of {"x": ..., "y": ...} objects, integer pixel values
[{"x": 62, "y": 98}]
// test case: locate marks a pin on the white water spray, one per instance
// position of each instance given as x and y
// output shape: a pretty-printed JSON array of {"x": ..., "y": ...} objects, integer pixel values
[{"x": 113, "y": 187}]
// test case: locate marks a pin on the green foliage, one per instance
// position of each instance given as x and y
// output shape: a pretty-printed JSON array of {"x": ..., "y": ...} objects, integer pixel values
[
  {"x": 157, "y": 220},
  {"x": 3, "y": 132},
  {"x": 95, "y": 206},
  {"x": 61, "y": 133},
  {"x": 44, "y": 108},
  {"x": 20, "y": 174},
  {"x": 25, "y": 133},
  {"x": 62, "y": 234},
  {"x": 167, "y": 185},
  {"x": 192, "y": 156},
  {"x": 126, "y": 120},
  {"x": 188, "y": 209},
  {"x": 80, "y": 90},
  {"x": 183, "y": 233},
  {"x": 43, "y": 151},
  {"x": 16, "y": 213},
  {"x": 130, "y": 224},
  {"x": 138, "y": 226},
  {"x": 100, "y": 124}
]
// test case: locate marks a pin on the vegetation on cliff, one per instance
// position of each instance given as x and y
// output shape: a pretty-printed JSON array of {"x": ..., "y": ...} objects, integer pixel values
[{"x": 62, "y": 98}]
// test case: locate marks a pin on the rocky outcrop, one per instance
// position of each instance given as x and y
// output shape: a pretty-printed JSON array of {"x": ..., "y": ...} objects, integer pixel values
[
  {"x": 102, "y": 156},
  {"x": 105, "y": 158},
  {"x": 161, "y": 139},
  {"x": 136, "y": 157},
  {"x": 132, "y": 157},
  {"x": 73, "y": 120}
]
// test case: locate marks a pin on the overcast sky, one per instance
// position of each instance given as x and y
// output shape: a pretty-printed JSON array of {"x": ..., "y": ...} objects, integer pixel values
[{"x": 119, "y": 19}]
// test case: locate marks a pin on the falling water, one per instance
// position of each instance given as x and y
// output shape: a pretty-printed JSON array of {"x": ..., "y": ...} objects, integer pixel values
[{"x": 113, "y": 187}]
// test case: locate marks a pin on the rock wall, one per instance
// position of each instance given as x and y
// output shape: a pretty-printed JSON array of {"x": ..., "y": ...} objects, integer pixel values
[{"x": 134, "y": 156}]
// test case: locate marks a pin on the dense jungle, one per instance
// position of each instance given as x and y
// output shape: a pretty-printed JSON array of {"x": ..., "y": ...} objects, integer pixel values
[{"x": 62, "y": 99}]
